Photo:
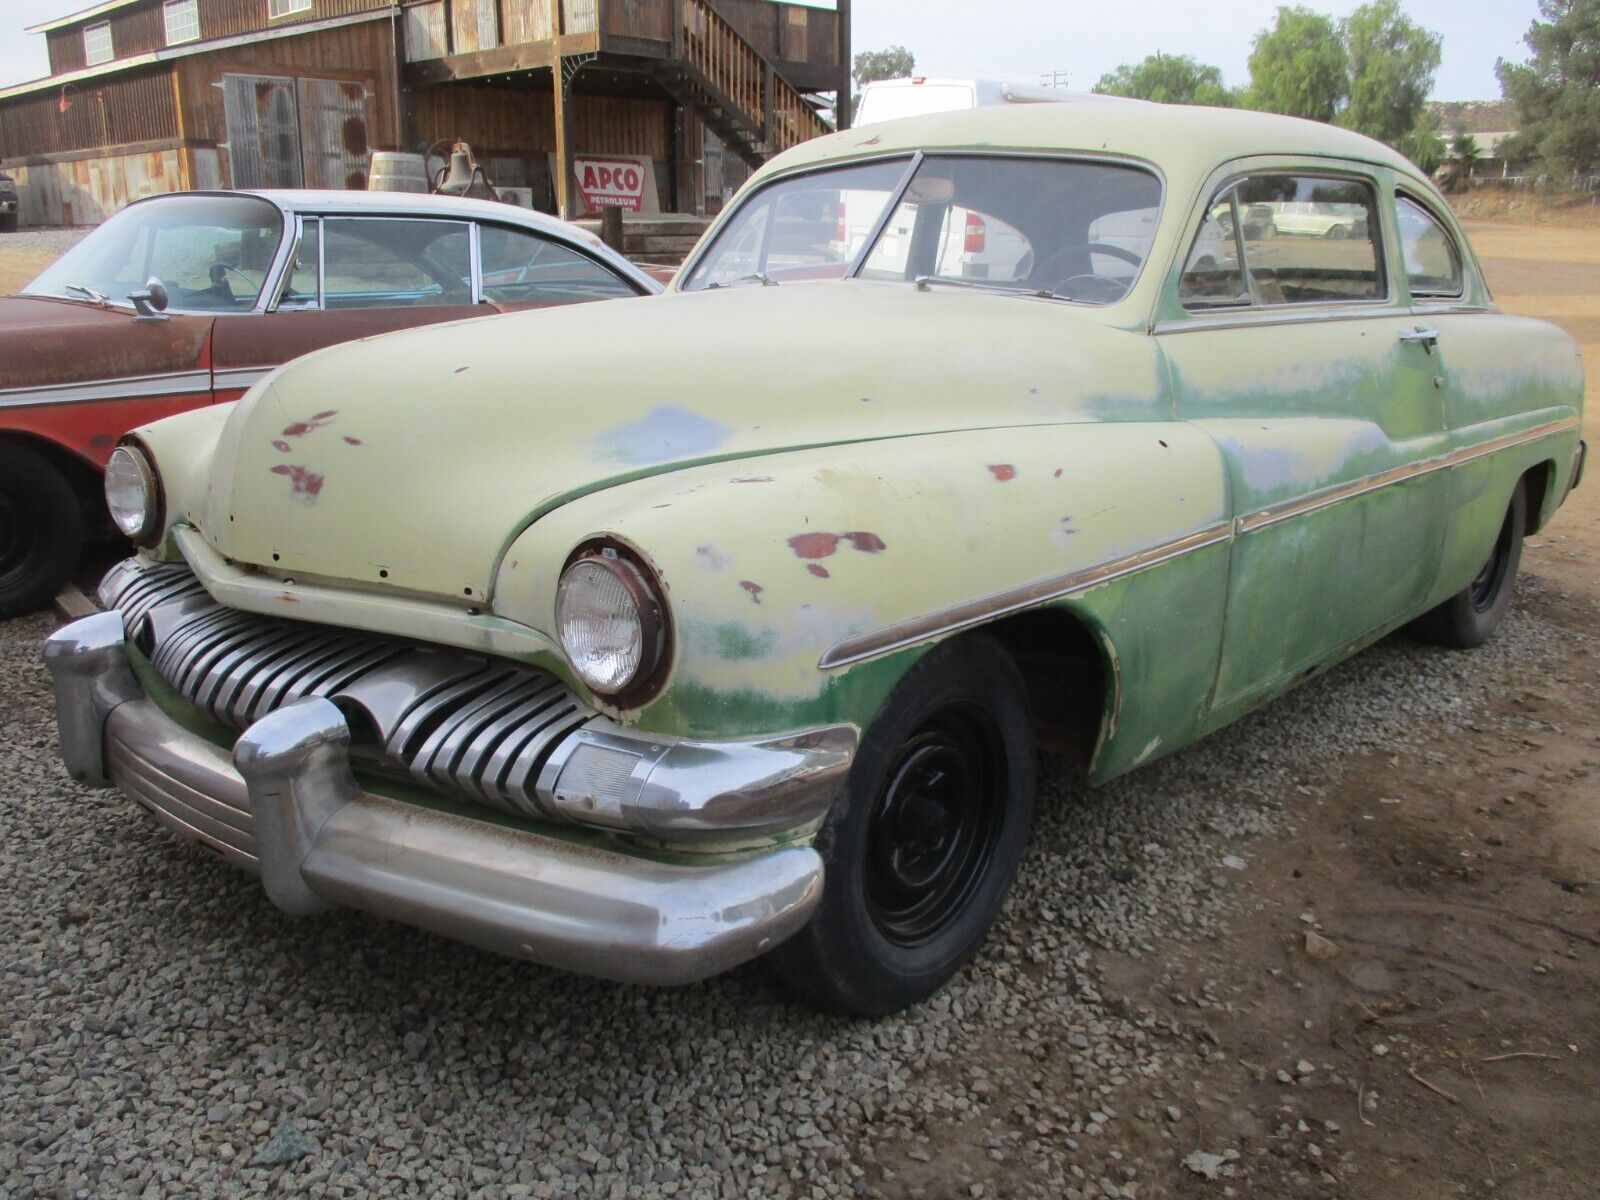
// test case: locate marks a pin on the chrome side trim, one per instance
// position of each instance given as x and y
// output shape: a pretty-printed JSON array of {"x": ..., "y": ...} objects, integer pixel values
[
  {"x": 976, "y": 612},
  {"x": 243, "y": 378},
  {"x": 1302, "y": 505},
  {"x": 1263, "y": 316},
  {"x": 176, "y": 383}
]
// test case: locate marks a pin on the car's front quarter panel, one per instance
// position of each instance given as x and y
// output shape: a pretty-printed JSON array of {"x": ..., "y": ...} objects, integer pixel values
[{"x": 774, "y": 566}]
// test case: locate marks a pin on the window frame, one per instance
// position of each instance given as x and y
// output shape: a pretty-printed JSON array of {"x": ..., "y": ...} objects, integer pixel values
[
  {"x": 89, "y": 58},
  {"x": 191, "y": 11},
  {"x": 320, "y": 219},
  {"x": 1351, "y": 172},
  {"x": 1455, "y": 297},
  {"x": 277, "y": 10}
]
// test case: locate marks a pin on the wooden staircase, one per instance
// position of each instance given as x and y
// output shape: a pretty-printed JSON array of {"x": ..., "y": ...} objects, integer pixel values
[{"x": 725, "y": 81}]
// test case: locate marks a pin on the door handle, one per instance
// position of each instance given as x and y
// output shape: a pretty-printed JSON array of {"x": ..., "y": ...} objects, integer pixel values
[{"x": 1426, "y": 338}]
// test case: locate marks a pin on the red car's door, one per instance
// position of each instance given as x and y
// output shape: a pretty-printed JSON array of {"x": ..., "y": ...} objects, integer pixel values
[{"x": 352, "y": 277}]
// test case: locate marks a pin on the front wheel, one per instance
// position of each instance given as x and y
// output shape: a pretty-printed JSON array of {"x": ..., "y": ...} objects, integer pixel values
[
  {"x": 921, "y": 850},
  {"x": 1469, "y": 617},
  {"x": 41, "y": 530}
]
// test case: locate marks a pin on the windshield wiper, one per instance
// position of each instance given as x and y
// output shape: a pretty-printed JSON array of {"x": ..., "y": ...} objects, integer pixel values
[
  {"x": 760, "y": 277},
  {"x": 924, "y": 282},
  {"x": 89, "y": 293}
]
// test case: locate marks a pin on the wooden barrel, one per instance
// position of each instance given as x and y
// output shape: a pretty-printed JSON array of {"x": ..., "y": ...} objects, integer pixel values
[{"x": 395, "y": 172}]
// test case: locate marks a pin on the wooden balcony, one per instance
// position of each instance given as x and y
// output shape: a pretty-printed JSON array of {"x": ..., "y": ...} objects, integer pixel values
[{"x": 456, "y": 40}]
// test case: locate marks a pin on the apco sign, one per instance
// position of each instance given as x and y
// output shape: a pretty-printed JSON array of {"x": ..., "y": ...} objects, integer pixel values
[{"x": 611, "y": 182}]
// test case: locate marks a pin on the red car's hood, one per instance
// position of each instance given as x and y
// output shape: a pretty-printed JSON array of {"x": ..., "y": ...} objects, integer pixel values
[{"x": 49, "y": 342}]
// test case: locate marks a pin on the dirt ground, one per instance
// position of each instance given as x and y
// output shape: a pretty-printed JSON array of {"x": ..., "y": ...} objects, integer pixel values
[{"x": 1449, "y": 1046}]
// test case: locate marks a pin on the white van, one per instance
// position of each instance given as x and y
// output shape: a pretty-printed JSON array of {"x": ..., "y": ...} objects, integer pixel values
[{"x": 891, "y": 99}]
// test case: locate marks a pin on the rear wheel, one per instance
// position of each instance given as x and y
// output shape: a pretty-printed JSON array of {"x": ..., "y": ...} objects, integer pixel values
[
  {"x": 922, "y": 849},
  {"x": 8, "y": 222},
  {"x": 1469, "y": 617},
  {"x": 41, "y": 530}
]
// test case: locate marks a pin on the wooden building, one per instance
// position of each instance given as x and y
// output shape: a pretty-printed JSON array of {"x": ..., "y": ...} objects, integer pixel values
[{"x": 146, "y": 96}]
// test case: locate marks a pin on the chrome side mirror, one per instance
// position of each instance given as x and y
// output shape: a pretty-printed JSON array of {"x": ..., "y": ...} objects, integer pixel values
[{"x": 151, "y": 304}]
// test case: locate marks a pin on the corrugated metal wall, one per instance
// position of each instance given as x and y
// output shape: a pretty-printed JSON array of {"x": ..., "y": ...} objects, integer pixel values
[{"x": 106, "y": 112}]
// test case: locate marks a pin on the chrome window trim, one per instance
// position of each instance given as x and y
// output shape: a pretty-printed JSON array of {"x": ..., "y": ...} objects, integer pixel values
[
  {"x": 969, "y": 614},
  {"x": 1281, "y": 314}
]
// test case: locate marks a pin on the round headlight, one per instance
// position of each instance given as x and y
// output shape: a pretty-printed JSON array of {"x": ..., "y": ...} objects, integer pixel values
[
  {"x": 610, "y": 622},
  {"x": 133, "y": 494}
]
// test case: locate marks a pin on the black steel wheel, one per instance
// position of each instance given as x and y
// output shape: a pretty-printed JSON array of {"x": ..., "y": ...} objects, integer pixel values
[
  {"x": 1470, "y": 617},
  {"x": 41, "y": 530},
  {"x": 920, "y": 851}
]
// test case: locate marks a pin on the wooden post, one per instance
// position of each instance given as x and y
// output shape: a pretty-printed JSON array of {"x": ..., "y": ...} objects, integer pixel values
[
  {"x": 841, "y": 103},
  {"x": 611, "y": 228},
  {"x": 405, "y": 109},
  {"x": 566, "y": 200},
  {"x": 766, "y": 107}
]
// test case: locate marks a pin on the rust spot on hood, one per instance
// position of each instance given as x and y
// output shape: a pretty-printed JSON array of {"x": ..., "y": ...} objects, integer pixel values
[
  {"x": 821, "y": 545},
  {"x": 755, "y": 589},
  {"x": 817, "y": 569},
  {"x": 1004, "y": 472},
  {"x": 301, "y": 428},
  {"x": 304, "y": 484}
]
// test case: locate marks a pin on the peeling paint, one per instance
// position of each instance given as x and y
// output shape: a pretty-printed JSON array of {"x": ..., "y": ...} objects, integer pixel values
[
  {"x": 305, "y": 484},
  {"x": 301, "y": 428},
  {"x": 662, "y": 435},
  {"x": 821, "y": 545},
  {"x": 280, "y": 444},
  {"x": 350, "y": 441},
  {"x": 817, "y": 569},
  {"x": 1004, "y": 472},
  {"x": 755, "y": 589}
]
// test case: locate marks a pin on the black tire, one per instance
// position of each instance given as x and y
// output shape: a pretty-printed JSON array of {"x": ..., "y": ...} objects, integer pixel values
[
  {"x": 41, "y": 530},
  {"x": 922, "y": 848},
  {"x": 8, "y": 223},
  {"x": 1470, "y": 617}
]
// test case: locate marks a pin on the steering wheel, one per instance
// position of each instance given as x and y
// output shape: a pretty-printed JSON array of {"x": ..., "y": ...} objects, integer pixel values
[
  {"x": 1110, "y": 251},
  {"x": 1091, "y": 289},
  {"x": 219, "y": 282}
]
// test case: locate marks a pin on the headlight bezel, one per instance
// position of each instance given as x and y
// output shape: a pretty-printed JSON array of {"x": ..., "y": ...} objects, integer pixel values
[
  {"x": 640, "y": 581},
  {"x": 149, "y": 531}
]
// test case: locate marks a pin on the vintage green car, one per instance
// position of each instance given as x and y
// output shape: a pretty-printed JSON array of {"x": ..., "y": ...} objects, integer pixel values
[{"x": 645, "y": 639}]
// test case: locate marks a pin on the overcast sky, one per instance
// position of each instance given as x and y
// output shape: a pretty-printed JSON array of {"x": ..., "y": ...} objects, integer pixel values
[{"x": 1018, "y": 40}]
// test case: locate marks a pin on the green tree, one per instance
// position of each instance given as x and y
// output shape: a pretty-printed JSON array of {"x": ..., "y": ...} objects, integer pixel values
[
  {"x": 894, "y": 63},
  {"x": 1392, "y": 62},
  {"x": 1298, "y": 66},
  {"x": 1168, "y": 79},
  {"x": 1464, "y": 149},
  {"x": 1425, "y": 147},
  {"x": 1556, "y": 94}
]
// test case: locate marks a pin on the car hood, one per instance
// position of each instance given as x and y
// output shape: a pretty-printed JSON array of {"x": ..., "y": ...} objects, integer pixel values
[
  {"x": 45, "y": 342},
  {"x": 412, "y": 461}
]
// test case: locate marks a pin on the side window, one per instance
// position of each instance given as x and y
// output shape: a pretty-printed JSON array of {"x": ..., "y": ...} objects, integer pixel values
[
  {"x": 1310, "y": 239},
  {"x": 523, "y": 268},
  {"x": 1213, "y": 275},
  {"x": 1433, "y": 264},
  {"x": 384, "y": 262}
]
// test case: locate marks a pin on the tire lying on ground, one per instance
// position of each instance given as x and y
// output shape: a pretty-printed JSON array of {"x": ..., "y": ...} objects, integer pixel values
[{"x": 41, "y": 530}]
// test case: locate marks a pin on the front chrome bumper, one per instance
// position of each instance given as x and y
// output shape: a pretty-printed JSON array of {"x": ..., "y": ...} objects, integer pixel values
[{"x": 286, "y": 807}]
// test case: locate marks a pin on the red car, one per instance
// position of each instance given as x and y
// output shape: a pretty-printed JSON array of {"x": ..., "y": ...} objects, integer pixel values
[{"x": 188, "y": 299}]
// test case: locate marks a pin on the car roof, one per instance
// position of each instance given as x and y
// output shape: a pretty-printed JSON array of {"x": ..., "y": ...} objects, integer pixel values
[
  {"x": 313, "y": 201},
  {"x": 1186, "y": 142}
]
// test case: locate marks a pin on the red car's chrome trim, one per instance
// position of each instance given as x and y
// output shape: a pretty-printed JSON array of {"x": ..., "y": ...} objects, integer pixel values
[
  {"x": 176, "y": 383},
  {"x": 241, "y": 378}
]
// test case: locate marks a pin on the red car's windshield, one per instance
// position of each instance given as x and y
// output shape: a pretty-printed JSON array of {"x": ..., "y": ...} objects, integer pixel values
[{"x": 213, "y": 254}]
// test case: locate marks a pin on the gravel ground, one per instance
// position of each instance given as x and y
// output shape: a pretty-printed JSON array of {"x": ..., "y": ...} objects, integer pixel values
[
  {"x": 165, "y": 1029},
  {"x": 30, "y": 240}
]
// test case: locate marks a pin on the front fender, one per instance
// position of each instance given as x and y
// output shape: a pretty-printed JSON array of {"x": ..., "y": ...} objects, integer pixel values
[{"x": 772, "y": 563}]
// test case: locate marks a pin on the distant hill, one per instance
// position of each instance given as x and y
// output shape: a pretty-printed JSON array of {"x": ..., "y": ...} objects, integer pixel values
[{"x": 1474, "y": 116}]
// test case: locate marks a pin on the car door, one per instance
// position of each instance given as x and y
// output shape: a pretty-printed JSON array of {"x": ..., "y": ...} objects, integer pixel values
[
  {"x": 351, "y": 277},
  {"x": 523, "y": 269},
  {"x": 1296, "y": 353}
]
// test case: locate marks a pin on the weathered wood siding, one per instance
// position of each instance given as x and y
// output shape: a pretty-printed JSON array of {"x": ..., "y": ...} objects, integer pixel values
[
  {"x": 502, "y": 121},
  {"x": 359, "y": 54},
  {"x": 87, "y": 190},
  {"x": 133, "y": 108}
]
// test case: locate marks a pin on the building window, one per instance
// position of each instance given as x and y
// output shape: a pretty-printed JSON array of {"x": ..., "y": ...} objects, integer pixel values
[
  {"x": 286, "y": 8},
  {"x": 97, "y": 43},
  {"x": 183, "y": 21}
]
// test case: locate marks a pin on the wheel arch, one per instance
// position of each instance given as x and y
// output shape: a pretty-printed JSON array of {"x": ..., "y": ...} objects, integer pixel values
[
  {"x": 1537, "y": 480},
  {"x": 81, "y": 476},
  {"x": 1073, "y": 677}
]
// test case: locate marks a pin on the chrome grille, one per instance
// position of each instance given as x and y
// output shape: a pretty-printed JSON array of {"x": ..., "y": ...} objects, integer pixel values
[{"x": 462, "y": 724}]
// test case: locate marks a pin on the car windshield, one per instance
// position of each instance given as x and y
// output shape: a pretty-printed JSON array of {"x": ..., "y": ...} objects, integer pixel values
[
  {"x": 1069, "y": 229},
  {"x": 213, "y": 253}
]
